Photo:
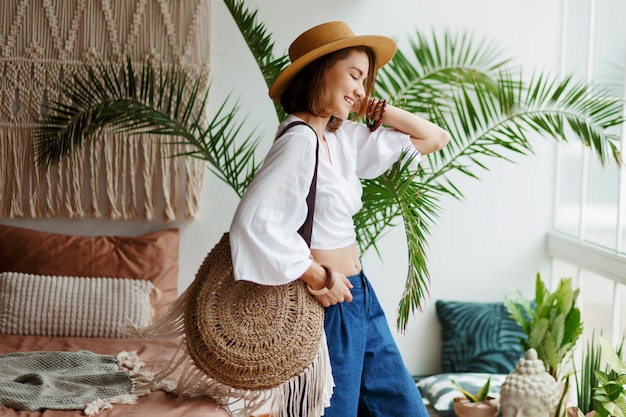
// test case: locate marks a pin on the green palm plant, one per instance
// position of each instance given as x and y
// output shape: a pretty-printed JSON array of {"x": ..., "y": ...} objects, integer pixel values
[{"x": 462, "y": 84}]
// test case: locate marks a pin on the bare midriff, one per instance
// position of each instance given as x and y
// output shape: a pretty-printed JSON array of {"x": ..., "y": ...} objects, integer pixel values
[{"x": 344, "y": 260}]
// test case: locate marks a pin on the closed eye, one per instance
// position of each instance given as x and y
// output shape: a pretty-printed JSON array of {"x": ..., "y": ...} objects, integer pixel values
[{"x": 356, "y": 73}]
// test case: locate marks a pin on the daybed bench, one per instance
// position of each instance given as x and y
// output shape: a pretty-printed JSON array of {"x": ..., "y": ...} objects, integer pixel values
[{"x": 43, "y": 310}]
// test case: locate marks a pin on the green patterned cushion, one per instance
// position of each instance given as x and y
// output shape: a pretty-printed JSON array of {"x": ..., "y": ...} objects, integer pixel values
[{"x": 478, "y": 337}]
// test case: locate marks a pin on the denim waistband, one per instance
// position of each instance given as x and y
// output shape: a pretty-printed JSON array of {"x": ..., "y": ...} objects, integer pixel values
[{"x": 358, "y": 280}]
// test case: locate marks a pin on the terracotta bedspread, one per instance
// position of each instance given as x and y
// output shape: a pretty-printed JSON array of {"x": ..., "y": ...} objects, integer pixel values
[{"x": 153, "y": 353}]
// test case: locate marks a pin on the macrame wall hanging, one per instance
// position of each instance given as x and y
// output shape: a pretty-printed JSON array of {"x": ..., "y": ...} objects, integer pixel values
[{"x": 120, "y": 177}]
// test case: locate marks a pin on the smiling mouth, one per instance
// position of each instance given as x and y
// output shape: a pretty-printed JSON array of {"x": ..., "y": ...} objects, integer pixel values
[{"x": 349, "y": 101}]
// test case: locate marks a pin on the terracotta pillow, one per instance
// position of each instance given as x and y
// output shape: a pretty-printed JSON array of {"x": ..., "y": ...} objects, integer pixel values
[{"x": 153, "y": 256}]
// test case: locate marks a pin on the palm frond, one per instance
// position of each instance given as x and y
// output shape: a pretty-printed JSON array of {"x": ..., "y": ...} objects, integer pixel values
[
  {"x": 260, "y": 43},
  {"x": 422, "y": 81},
  {"x": 490, "y": 112},
  {"x": 550, "y": 105},
  {"x": 154, "y": 101},
  {"x": 106, "y": 95},
  {"x": 393, "y": 196},
  {"x": 481, "y": 126},
  {"x": 223, "y": 142},
  {"x": 418, "y": 213}
]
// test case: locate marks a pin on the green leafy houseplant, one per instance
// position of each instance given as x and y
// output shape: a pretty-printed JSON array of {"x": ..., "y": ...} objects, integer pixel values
[
  {"x": 601, "y": 393},
  {"x": 610, "y": 395},
  {"x": 551, "y": 321},
  {"x": 464, "y": 85}
]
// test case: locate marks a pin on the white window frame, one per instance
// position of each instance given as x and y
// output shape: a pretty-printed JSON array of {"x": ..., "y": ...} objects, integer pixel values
[{"x": 576, "y": 251}]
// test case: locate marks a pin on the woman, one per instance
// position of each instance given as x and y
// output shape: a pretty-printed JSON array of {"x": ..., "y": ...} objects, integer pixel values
[{"x": 331, "y": 75}]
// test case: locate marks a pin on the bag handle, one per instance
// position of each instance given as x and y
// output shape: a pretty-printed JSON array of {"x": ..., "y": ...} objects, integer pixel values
[{"x": 306, "y": 229}]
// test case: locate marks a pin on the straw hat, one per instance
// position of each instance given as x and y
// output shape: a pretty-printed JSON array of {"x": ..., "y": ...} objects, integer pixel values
[{"x": 324, "y": 39}]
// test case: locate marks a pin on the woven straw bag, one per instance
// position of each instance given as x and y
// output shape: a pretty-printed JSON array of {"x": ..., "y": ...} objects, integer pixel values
[{"x": 250, "y": 336}]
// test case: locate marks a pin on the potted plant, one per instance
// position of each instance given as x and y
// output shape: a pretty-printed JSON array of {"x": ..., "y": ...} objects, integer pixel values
[
  {"x": 585, "y": 376},
  {"x": 551, "y": 321},
  {"x": 480, "y": 404},
  {"x": 610, "y": 394},
  {"x": 490, "y": 108},
  {"x": 601, "y": 393},
  {"x": 552, "y": 325}
]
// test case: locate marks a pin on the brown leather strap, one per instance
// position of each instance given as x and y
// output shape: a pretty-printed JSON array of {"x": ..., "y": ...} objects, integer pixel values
[{"x": 306, "y": 229}]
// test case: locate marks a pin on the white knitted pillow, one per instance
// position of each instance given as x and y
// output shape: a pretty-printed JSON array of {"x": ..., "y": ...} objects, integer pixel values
[{"x": 58, "y": 306}]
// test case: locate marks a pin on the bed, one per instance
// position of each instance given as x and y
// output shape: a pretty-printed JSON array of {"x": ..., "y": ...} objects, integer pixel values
[{"x": 64, "y": 293}]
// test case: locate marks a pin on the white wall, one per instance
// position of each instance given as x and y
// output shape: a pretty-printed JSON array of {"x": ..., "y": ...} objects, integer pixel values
[{"x": 482, "y": 247}]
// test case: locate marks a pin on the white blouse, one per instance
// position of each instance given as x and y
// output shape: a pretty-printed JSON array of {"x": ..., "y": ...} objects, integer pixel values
[{"x": 265, "y": 245}]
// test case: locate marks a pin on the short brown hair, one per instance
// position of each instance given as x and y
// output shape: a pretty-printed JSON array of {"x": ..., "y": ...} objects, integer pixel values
[{"x": 306, "y": 91}]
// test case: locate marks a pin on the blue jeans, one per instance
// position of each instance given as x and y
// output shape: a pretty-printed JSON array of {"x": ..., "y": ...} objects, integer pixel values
[{"x": 370, "y": 376}]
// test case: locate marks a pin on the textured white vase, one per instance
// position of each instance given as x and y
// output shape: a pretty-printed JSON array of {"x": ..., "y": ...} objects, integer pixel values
[{"x": 529, "y": 391}]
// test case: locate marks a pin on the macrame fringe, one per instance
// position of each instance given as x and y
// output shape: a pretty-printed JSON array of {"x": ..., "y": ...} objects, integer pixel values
[
  {"x": 101, "y": 181},
  {"x": 305, "y": 395},
  {"x": 142, "y": 383},
  {"x": 43, "y": 42}
]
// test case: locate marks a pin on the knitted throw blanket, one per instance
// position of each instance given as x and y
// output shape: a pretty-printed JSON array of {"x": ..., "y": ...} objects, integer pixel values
[{"x": 68, "y": 380}]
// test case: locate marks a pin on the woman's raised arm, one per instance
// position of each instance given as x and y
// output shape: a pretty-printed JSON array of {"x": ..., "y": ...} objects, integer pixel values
[{"x": 427, "y": 137}]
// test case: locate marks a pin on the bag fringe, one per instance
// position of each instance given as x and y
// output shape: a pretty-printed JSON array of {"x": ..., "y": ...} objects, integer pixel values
[
  {"x": 309, "y": 392},
  {"x": 167, "y": 326},
  {"x": 305, "y": 395}
]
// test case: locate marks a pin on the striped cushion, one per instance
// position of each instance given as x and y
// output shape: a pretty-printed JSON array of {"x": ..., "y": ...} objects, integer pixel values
[
  {"x": 57, "y": 306},
  {"x": 440, "y": 393}
]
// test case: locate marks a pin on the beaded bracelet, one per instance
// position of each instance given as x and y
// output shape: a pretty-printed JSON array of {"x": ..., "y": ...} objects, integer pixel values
[
  {"x": 379, "y": 119},
  {"x": 372, "y": 106},
  {"x": 370, "y": 111},
  {"x": 375, "y": 114}
]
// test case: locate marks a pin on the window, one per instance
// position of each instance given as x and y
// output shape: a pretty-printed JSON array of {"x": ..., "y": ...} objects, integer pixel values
[{"x": 588, "y": 240}]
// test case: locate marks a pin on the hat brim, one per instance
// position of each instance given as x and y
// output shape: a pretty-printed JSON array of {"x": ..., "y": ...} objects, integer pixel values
[{"x": 384, "y": 48}]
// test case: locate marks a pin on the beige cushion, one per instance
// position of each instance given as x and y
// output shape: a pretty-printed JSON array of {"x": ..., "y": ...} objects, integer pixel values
[
  {"x": 57, "y": 306},
  {"x": 152, "y": 256}
]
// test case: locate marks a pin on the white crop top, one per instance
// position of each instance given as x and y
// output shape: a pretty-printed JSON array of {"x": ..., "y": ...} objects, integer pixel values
[{"x": 265, "y": 244}]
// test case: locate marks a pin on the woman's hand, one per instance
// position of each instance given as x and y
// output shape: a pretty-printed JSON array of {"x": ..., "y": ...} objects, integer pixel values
[
  {"x": 328, "y": 286},
  {"x": 339, "y": 293}
]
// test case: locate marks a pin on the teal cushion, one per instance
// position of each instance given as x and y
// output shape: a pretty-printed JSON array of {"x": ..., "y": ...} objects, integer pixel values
[{"x": 478, "y": 337}]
